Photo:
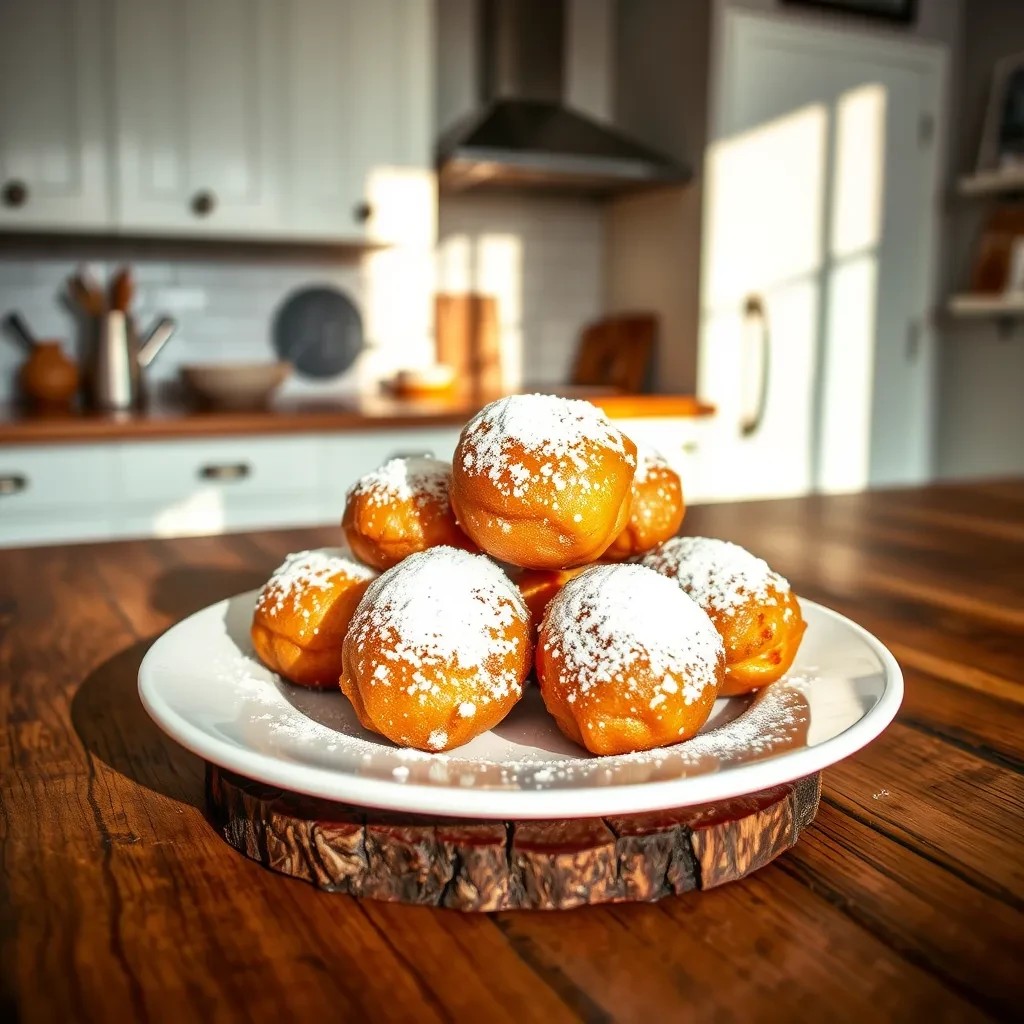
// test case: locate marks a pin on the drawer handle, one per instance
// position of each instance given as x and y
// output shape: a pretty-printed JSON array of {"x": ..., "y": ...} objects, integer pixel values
[
  {"x": 226, "y": 471},
  {"x": 15, "y": 194},
  {"x": 13, "y": 483},
  {"x": 362, "y": 212},
  {"x": 203, "y": 203}
]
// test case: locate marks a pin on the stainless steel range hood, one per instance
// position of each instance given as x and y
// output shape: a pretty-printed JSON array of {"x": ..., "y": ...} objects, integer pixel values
[{"x": 524, "y": 136}]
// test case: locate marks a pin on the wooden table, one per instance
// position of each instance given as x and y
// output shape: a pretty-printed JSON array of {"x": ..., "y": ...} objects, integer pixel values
[{"x": 120, "y": 902}]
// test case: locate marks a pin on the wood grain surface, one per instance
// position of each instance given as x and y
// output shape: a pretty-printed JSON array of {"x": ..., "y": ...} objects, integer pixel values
[
  {"x": 481, "y": 866},
  {"x": 902, "y": 901}
]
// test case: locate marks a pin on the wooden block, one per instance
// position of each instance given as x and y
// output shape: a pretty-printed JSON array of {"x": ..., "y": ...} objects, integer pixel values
[{"x": 492, "y": 865}]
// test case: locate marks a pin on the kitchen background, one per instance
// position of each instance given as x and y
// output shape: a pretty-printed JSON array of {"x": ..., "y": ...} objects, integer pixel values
[{"x": 826, "y": 342}]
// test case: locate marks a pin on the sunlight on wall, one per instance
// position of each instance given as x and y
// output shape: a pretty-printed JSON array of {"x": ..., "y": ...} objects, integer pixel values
[
  {"x": 851, "y": 283},
  {"x": 399, "y": 281},
  {"x": 490, "y": 264},
  {"x": 845, "y": 438},
  {"x": 764, "y": 208},
  {"x": 771, "y": 178},
  {"x": 859, "y": 160}
]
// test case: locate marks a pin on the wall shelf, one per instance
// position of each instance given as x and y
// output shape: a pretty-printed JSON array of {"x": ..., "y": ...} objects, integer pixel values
[
  {"x": 992, "y": 183},
  {"x": 978, "y": 306}
]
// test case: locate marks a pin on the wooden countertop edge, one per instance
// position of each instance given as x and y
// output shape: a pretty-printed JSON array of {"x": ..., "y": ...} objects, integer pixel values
[{"x": 22, "y": 429}]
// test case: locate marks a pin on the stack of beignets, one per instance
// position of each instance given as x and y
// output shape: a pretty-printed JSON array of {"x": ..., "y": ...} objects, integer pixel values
[{"x": 436, "y": 649}]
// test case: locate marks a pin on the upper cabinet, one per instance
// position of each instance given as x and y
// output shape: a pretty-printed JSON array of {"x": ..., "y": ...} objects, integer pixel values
[
  {"x": 197, "y": 100},
  {"x": 273, "y": 119},
  {"x": 53, "y": 123},
  {"x": 358, "y": 110}
]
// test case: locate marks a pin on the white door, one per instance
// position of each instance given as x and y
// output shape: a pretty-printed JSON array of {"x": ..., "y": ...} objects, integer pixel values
[
  {"x": 359, "y": 116},
  {"x": 198, "y": 116},
  {"x": 53, "y": 142},
  {"x": 819, "y": 209}
]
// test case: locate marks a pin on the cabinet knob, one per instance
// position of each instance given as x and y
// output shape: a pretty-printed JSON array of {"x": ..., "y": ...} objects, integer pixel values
[
  {"x": 203, "y": 203},
  {"x": 12, "y": 484},
  {"x": 225, "y": 471},
  {"x": 362, "y": 212},
  {"x": 15, "y": 193}
]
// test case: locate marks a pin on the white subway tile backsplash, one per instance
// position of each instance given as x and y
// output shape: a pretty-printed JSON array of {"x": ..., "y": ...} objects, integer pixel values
[{"x": 541, "y": 257}]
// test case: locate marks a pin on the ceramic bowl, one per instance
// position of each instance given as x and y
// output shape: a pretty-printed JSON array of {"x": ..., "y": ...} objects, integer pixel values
[{"x": 234, "y": 385}]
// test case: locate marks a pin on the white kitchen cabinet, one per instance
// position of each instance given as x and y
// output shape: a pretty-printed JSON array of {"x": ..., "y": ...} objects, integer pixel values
[
  {"x": 198, "y": 116},
  {"x": 684, "y": 441},
  {"x": 53, "y": 117},
  {"x": 56, "y": 493},
  {"x": 345, "y": 458},
  {"x": 176, "y": 488},
  {"x": 820, "y": 213},
  {"x": 358, "y": 118}
]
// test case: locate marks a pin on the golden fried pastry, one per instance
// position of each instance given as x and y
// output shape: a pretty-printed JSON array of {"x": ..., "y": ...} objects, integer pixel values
[
  {"x": 303, "y": 612},
  {"x": 438, "y": 650},
  {"x": 626, "y": 661},
  {"x": 656, "y": 510},
  {"x": 751, "y": 606},
  {"x": 542, "y": 482},
  {"x": 399, "y": 509},
  {"x": 539, "y": 586}
]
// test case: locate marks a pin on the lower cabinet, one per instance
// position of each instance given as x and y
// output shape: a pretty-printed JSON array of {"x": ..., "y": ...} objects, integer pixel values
[{"x": 58, "y": 493}]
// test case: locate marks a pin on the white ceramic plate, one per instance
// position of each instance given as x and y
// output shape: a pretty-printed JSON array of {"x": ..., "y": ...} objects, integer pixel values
[{"x": 202, "y": 684}]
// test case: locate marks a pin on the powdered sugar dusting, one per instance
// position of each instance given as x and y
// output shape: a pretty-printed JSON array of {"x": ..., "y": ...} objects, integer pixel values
[
  {"x": 567, "y": 437},
  {"x": 648, "y": 461},
  {"x": 609, "y": 617},
  {"x": 416, "y": 478},
  {"x": 304, "y": 572},
  {"x": 443, "y": 607},
  {"x": 720, "y": 576}
]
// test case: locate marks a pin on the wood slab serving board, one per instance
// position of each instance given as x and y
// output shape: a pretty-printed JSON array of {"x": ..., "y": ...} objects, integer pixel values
[{"x": 477, "y": 865}]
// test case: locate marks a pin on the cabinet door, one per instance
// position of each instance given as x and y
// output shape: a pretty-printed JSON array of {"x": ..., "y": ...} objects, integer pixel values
[
  {"x": 359, "y": 102},
  {"x": 53, "y": 156},
  {"x": 198, "y": 116}
]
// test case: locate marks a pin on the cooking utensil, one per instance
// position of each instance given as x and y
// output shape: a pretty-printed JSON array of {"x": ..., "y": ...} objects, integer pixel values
[
  {"x": 17, "y": 326},
  {"x": 86, "y": 293},
  {"x": 617, "y": 352},
  {"x": 122, "y": 290},
  {"x": 319, "y": 331},
  {"x": 117, "y": 358}
]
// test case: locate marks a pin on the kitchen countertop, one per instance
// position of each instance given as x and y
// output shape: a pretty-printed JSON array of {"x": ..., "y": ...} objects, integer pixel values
[
  {"x": 292, "y": 416},
  {"x": 902, "y": 900}
]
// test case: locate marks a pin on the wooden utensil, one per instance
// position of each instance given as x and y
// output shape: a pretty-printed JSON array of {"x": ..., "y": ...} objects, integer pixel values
[
  {"x": 616, "y": 352},
  {"x": 86, "y": 293},
  {"x": 122, "y": 290},
  {"x": 468, "y": 338}
]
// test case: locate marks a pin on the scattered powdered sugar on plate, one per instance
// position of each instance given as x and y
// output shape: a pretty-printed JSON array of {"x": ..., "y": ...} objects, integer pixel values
[
  {"x": 609, "y": 618},
  {"x": 719, "y": 575},
  {"x": 567, "y": 437},
  {"x": 415, "y": 478},
  {"x": 443, "y": 607},
  {"x": 304, "y": 572}
]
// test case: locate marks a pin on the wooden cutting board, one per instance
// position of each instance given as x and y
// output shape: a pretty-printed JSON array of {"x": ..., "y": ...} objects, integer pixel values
[
  {"x": 468, "y": 338},
  {"x": 617, "y": 352}
]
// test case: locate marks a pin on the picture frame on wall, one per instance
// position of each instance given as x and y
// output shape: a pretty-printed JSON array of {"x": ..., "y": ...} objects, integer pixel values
[
  {"x": 1002, "y": 136},
  {"x": 902, "y": 11}
]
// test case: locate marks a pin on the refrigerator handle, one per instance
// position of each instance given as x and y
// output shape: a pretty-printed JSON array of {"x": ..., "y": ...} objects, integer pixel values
[{"x": 754, "y": 311}]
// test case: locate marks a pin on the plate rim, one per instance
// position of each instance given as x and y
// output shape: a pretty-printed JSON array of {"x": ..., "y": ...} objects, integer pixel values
[{"x": 494, "y": 803}]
